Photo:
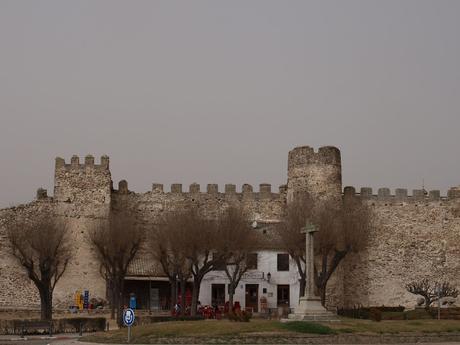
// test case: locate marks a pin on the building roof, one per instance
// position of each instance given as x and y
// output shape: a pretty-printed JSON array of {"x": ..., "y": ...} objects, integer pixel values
[{"x": 144, "y": 266}]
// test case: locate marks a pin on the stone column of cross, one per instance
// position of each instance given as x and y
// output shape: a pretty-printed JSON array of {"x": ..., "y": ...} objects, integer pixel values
[{"x": 309, "y": 230}]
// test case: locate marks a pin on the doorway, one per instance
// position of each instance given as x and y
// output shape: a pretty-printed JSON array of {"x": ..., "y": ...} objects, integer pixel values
[
  {"x": 252, "y": 297},
  {"x": 282, "y": 297},
  {"x": 218, "y": 295}
]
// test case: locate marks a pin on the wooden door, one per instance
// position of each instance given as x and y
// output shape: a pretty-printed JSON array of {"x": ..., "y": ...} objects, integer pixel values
[{"x": 252, "y": 297}]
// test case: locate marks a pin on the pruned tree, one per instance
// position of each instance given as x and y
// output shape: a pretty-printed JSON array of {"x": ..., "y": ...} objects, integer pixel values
[
  {"x": 116, "y": 241},
  {"x": 343, "y": 229},
  {"x": 202, "y": 247},
  {"x": 239, "y": 241},
  {"x": 432, "y": 291},
  {"x": 167, "y": 246},
  {"x": 42, "y": 246},
  {"x": 298, "y": 213}
]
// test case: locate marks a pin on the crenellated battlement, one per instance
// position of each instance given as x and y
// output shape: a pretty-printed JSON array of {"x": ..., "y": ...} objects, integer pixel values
[
  {"x": 406, "y": 225},
  {"x": 317, "y": 173},
  {"x": 305, "y": 155},
  {"x": 83, "y": 183},
  {"x": 401, "y": 194},
  {"x": 87, "y": 164},
  {"x": 247, "y": 191}
]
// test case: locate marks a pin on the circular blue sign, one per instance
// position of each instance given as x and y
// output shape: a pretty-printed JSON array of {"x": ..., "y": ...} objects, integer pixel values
[{"x": 128, "y": 317}]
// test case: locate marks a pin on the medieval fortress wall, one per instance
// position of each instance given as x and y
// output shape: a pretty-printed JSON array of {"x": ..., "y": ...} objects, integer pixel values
[{"x": 414, "y": 236}]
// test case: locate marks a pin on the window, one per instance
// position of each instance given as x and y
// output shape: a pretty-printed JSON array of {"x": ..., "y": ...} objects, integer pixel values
[
  {"x": 282, "y": 297},
  {"x": 252, "y": 261},
  {"x": 283, "y": 262}
]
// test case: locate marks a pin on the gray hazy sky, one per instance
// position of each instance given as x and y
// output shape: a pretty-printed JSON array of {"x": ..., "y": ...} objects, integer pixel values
[{"x": 220, "y": 91}]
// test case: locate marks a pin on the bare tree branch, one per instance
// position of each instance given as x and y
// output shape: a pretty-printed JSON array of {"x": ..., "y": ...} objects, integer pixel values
[
  {"x": 117, "y": 242},
  {"x": 42, "y": 246}
]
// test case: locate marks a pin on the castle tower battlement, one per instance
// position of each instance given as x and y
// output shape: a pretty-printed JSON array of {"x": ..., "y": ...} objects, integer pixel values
[
  {"x": 86, "y": 183},
  {"x": 317, "y": 173}
]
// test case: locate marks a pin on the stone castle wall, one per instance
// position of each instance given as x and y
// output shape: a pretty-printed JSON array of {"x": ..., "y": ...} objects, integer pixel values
[{"x": 415, "y": 236}]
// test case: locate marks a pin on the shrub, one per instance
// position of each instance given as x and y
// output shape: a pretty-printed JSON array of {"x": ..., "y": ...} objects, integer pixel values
[
  {"x": 364, "y": 313},
  {"x": 240, "y": 316},
  {"x": 88, "y": 324},
  {"x": 375, "y": 314},
  {"x": 393, "y": 315}
]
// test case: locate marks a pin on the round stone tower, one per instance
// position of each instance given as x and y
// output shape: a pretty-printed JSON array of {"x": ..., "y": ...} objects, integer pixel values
[{"x": 317, "y": 173}]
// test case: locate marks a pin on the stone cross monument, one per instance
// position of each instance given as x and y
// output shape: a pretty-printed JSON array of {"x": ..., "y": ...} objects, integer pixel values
[
  {"x": 309, "y": 231},
  {"x": 310, "y": 308}
]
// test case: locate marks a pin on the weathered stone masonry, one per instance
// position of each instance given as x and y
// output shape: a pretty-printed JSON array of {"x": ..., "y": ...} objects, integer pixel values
[{"x": 415, "y": 236}]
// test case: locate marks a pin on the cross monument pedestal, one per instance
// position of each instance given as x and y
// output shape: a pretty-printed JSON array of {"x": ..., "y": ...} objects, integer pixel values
[{"x": 310, "y": 307}]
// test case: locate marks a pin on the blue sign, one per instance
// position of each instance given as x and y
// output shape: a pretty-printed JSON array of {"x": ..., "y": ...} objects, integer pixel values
[
  {"x": 128, "y": 317},
  {"x": 86, "y": 299}
]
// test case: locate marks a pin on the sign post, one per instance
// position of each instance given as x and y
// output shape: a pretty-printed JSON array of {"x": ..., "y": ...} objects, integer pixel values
[{"x": 128, "y": 320}]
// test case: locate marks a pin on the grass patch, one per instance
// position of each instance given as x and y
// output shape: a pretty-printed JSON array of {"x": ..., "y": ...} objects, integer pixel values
[
  {"x": 223, "y": 330},
  {"x": 189, "y": 329},
  {"x": 308, "y": 327},
  {"x": 345, "y": 330},
  {"x": 397, "y": 326}
]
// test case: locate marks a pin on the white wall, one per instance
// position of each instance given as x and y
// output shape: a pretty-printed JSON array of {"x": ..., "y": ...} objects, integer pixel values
[{"x": 266, "y": 262}]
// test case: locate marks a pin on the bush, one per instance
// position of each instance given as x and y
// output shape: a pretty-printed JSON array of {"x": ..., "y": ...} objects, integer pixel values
[
  {"x": 88, "y": 324},
  {"x": 66, "y": 325},
  {"x": 375, "y": 314},
  {"x": 393, "y": 315},
  {"x": 417, "y": 314},
  {"x": 364, "y": 313},
  {"x": 240, "y": 316},
  {"x": 307, "y": 327}
]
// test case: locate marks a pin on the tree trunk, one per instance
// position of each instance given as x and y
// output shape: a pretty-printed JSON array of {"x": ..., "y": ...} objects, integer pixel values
[
  {"x": 183, "y": 300},
  {"x": 118, "y": 303},
  {"x": 111, "y": 299},
  {"x": 46, "y": 304},
  {"x": 195, "y": 293},
  {"x": 231, "y": 293},
  {"x": 302, "y": 273},
  {"x": 322, "y": 291},
  {"x": 173, "y": 301},
  {"x": 303, "y": 284}
]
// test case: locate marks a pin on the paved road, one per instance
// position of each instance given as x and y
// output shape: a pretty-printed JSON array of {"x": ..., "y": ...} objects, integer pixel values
[{"x": 74, "y": 341}]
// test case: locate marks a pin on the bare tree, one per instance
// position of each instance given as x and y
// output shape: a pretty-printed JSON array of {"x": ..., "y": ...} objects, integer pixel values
[
  {"x": 202, "y": 245},
  {"x": 343, "y": 229},
  {"x": 239, "y": 242},
  {"x": 430, "y": 291},
  {"x": 167, "y": 246},
  {"x": 42, "y": 246},
  {"x": 298, "y": 213},
  {"x": 116, "y": 241}
]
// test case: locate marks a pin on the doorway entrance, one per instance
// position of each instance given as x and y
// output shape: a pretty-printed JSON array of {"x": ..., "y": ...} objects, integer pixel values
[
  {"x": 282, "y": 297},
  {"x": 218, "y": 295},
  {"x": 252, "y": 297}
]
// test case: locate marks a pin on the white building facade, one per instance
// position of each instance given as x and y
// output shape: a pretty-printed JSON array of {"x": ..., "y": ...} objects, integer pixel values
[{"x": 274, "y": 279}]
